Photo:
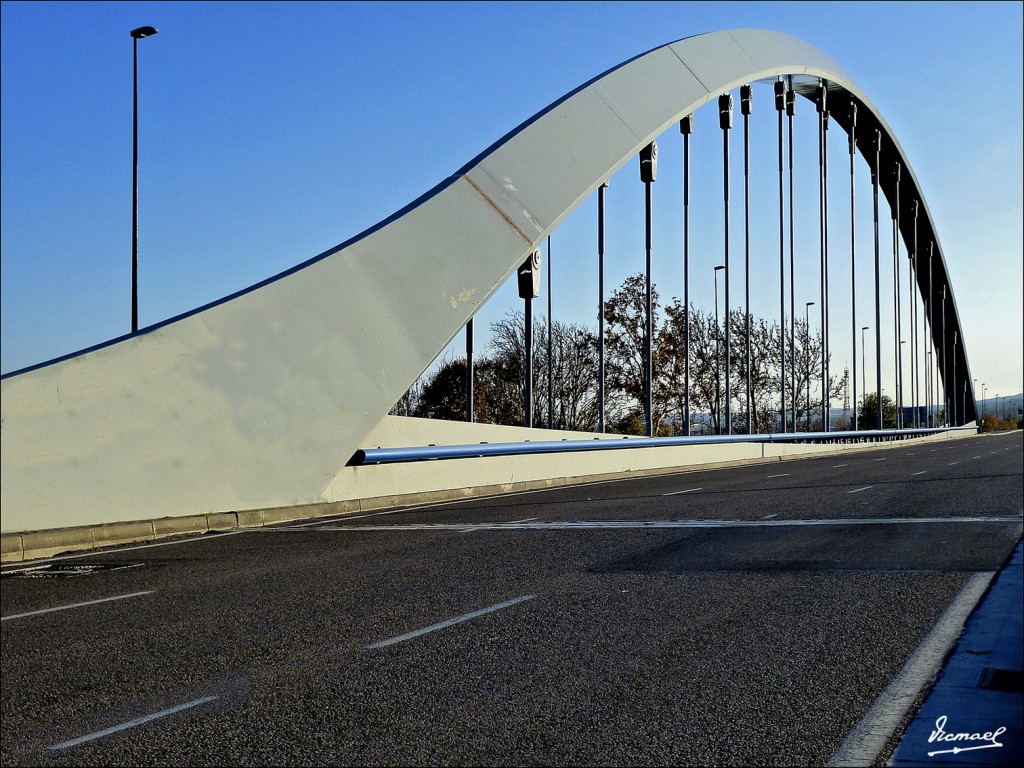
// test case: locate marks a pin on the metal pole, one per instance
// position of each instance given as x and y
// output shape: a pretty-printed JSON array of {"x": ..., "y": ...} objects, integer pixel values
[
  {"x": 600, "y": 306},
  {"x": 943, "y": 358},
  {"x": 780, "y": 105},
  {"x": 686, "y": 128},
  {"x": 931, "y": 329},
  {"x": 954, "y": 422},
  {"x": 878, "y": 279},
  {"x": 807, "y": 328},
  {"x": 725, "y": 119},
  {"x": 469, "y": 370},
  {"x": 135, "y": 184},
  {"x": 822, "y": 107},
  {"x": 790, "y": 112},
  {"x": 551, "y": 380},
  {"x": 528, "y": 384},
  {"x": 648, "y": 171},
  {"x": 718, "y": 361},
  {"x": 853, "y": 253},
  {"x": 863, "y": 362},
  {"x": 137, "y": 34},
  {"x": 746, "y": 97},
  {"x": 896, "y": 299},
  {"x": 915, "y": 370}
]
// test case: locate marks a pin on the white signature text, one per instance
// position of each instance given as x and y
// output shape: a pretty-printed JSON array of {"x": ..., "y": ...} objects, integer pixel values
[{"x": 940, "y": 735}]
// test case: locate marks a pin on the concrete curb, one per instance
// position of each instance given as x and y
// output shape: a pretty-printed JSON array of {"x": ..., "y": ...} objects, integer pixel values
[{"x": 32, "y": 545}]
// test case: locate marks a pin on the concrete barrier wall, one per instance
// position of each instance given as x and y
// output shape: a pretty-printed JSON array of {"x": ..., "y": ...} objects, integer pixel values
[{"x": 362, "y": 488}]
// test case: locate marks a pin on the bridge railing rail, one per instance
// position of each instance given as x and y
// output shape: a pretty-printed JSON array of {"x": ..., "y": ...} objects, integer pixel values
[{"x": 374, "y": 456}]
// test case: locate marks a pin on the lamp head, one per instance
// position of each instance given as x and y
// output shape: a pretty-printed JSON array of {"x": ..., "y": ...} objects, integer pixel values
[{"x": 142, "y": 32}]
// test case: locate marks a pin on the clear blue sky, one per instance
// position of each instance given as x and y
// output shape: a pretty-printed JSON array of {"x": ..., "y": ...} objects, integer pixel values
[{"x": 270, "y": 132}]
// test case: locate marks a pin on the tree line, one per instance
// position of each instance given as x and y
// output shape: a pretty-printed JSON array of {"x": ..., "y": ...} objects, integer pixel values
[{"x": 499, "y": 373}]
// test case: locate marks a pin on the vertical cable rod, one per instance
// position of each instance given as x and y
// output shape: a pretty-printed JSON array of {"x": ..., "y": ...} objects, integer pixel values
[
  {"x": 600, "y": 306},
  {"x": 686, "y": 128}
]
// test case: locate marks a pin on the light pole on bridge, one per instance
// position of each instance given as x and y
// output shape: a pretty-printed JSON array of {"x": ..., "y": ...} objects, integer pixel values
[
  {"x": 863, "y": 368},
  {"x": 137, "y": 34},
  {"x": 725, "y": 121}
]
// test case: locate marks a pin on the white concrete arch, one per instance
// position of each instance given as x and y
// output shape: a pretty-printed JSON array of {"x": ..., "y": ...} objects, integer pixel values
[{"x": 259, "y": 399}]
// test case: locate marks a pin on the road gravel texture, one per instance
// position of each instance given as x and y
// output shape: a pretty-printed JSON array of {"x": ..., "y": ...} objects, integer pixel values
[{"x": 633, "y": 643}]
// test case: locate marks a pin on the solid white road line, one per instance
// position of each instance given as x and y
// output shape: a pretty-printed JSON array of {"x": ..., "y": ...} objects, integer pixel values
[
  {"x": 75, "y": 605},
  {"x": 688, "y": 490},
  {"x": 866, "y": 741},
  {"x": 656, "y": 524},
  {"x": 448, "y": 623},
  {"x": 865, "y": 488},
  {"x": 132, "y": 723}
]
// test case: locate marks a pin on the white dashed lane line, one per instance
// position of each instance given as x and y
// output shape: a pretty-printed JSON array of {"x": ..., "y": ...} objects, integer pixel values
[
  {"x": 76, "y": 605},
  {"x": 688, "y": 490},
  {"x": 132, "y": 723},
  {"x": 865, "y": 488},
  {"x": 922, "y": 472},
  {"x": 448, "y": 623}
]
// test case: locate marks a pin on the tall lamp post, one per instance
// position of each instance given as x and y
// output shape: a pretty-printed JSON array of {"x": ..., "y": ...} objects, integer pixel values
[
  {"x": 718, "y": 355},
  {"x": 863, "y": 368},
  {"x": 137, "y": 34},
  {"x": 977, "y": 416},
  {"x": 807, "y": 329}
]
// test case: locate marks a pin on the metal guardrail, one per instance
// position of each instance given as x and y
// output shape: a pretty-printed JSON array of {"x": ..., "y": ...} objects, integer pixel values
[{"x": 368, "y": 456}]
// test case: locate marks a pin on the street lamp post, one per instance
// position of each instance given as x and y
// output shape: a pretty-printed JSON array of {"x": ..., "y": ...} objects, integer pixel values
[
  {"x": 807, "y": 330},
  {"x": 977, "y": 416},
  {"x": 863, "y": 362},
  {"x": 718, "y": 356},
  {"x": 137, "y": 34}
]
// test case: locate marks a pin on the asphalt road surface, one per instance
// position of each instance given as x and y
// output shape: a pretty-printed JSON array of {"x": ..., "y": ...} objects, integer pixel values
[{"x": 741, "y": 616}]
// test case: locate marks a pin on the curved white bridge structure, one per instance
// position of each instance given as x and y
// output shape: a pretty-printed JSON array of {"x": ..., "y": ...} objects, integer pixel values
[{"x": 258, "y": 400}]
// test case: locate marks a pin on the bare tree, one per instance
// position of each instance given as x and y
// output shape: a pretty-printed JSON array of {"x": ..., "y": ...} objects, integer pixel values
[{"x": 625, "y": 343}]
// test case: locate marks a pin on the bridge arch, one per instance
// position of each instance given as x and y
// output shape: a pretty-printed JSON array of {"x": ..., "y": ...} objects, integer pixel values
[{"x": 258, "y": 400}]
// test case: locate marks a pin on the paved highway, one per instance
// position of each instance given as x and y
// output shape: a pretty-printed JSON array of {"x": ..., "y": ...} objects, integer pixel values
[{"x": 741, "y": 616}]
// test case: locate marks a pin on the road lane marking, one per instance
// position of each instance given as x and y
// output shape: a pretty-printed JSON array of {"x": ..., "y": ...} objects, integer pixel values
[
  {"x": 472, "y": 526},
  {"x": 953, "y": 462},
  {"x": 447, "y": 623},
  {"x": 191, "y": 540},
  {"x": 975, "y": 457},
  {"x": 76, "y": 605},
  {"x": 770, "y": 477},
  {"x": 548, "y": 525},
  {"x": 132, "y": 723},
  {"x": 866, "y": 741},
  {"x": 881, "y": 459},
  {"x": 836, "y": 466},
  {"x": 922, "y": 472},
  {"x": 865, "y": 488},
  {"x": 688, "y": 490},
  {"x": 769, "y": 517}
]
